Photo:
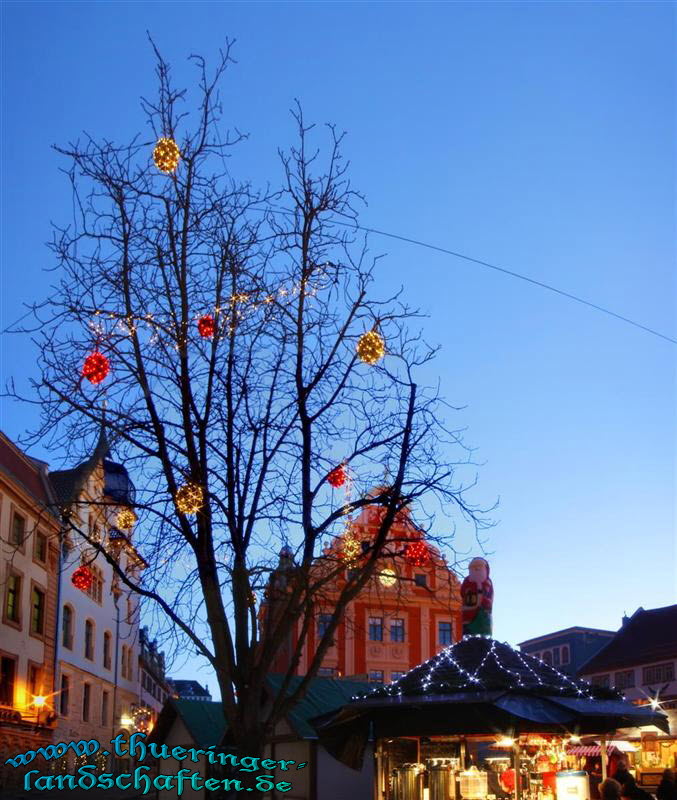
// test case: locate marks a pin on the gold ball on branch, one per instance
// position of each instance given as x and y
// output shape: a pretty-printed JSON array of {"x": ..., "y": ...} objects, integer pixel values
[
  {"x": 388, "y": 577},
  {"x": 371, "y": 347},
  {"x": 166, "y": 155},
  {"x": 189, "y": 498},
  {"x": 125, "y": 519}
]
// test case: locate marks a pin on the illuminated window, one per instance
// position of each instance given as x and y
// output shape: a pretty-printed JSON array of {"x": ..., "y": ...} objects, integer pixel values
[
  {"x": 34, "y": 680},
  {"x": 40, "y": 547},
  {"x": 323, "y": 623},
  {"x": 375, "y": 629},
  {"x": 444, "y": 635},
  {"x": 376, "y": 676},
  {"x": 13, "y": 598},
  {"x": 395, "y": 676},
  {"x": 396, "y": 630},
  {"x": 326, "y": 672}
]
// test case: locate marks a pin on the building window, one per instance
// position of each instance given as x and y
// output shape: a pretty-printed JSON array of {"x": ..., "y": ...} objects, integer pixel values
[
  {"x": 600, "y": 680},
  {"x": 89, "y": 640},
  {"x": 37, "y": 611},
  {"x": 34, "y": 680},
  {"x": 555, "y": 657},
  {"x": 130, "y": 610},
  {"x": 95, "y": 591},
  {"x": 395, "y": 676},
  {"x": 107, "y": 650},
  {"x": 323, "y": 623},
  {"x": 566, "y": 656},
  {"x": 659, "y": 673},
  {"x": 104, "y": 708},
  {"x": 444, "y": 632},
  {"x": 396, "y": 630},
  {"x": 376, "y": 676},
  {"x": 40, "y": 547},
  {"x": 421, "y": 580},
  {"x": 13, "y": 598},
  {"x": 375, "y": 629},
  {"x": 18, "y": 530},
  {"x": 67, "y": 627},
  {"x": 625, "y": 679},
  {"x": 547, "y": 657},
  {"x": 64, "y": 695},
  {"x": 86, "y": 700},
  {"x": 7, "y": 678}
]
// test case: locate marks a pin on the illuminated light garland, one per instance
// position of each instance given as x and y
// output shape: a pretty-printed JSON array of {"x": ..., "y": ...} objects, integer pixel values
[
  {"x": 388, "y": 577},
  {"x": 416, "y": 553},
  {"x": 337, "y": 477},
  {"x": 371, "y": 347},
  {"x": 142, "y": 717},
  {"x": 125, "y": 519},
  {"x": 82, "y": 578},
  {"x": 189, "y": 498},
  {"x": 206, "y": 326},
  {"x": 166, "y": 155},
  {"x": 96, "y": 367},
  {"x": 350, "y": 549}
]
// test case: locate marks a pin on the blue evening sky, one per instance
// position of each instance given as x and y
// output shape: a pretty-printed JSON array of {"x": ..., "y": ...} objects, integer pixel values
[{"x": 539, "y": 136}]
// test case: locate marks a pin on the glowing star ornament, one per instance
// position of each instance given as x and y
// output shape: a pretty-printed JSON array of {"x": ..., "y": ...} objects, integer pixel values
[
  {"x": 388, "y": 577},
  {"x": 337, "y": 477},
  {"x": 166, "y": 155},
  {"x": 371, "y": 347},
  {"x": 189, "y": 498},
  {"x": 96, "y": 367},
  {"x": 416, "y": 553},
  {"x": 206, "y": 326},
  {"x": 82, "y": 578},
  {"x": 126, "y": 519}
]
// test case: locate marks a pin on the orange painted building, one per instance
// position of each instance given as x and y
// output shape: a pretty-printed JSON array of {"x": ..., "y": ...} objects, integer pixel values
[{"x": 409, "y": 610}]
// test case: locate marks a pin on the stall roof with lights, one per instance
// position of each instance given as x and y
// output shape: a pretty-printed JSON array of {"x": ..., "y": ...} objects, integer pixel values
[{"x": 478, "y": 687}]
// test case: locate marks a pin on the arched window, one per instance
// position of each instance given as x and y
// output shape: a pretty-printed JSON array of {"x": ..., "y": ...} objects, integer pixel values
[
  {"x": 547, "y": 657},
  {"x": 67, "y": 627},
  {"x": 107, "y": 638},
  {"x": 89, "y": 640},
  {"x": 566, "y": 657}
]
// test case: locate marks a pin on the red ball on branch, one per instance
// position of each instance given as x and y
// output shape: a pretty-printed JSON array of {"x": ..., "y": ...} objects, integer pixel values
[
  {"x": 96, "y": 367},
  {"x": 206, "y": 326},
  {"x": 337, "y": 477},
  {"x": 82, "y": 578},
  {"x": 416, "y": 553}
]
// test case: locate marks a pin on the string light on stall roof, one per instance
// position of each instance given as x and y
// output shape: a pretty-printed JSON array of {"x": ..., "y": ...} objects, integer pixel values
[
  {"x": 166, "y": 155},
  {"x": 95, "y": 367},
  {"x": 189, "y": 498}
]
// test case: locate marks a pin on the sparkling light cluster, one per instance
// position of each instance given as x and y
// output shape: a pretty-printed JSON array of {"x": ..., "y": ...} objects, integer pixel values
[
  {"x": 126, "y": 519},
  {"x": 371, "y": 347},
  {"x": 82, "y": 578},
  {"x": 337, "y": 477},
  {"x": 96, "y": 367},
  {"x": 206, "y": 326},
  {"x": 189, "y": 498},
  {"x": 166, "y": 155},
  {"x": 416, "y": 553}
]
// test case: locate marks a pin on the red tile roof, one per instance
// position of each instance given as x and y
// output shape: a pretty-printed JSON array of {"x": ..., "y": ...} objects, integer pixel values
[{"x": 646, "y": 638}]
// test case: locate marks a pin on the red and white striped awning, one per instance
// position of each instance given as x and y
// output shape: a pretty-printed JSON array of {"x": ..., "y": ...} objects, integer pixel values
[{"x": 590, "y": 750}]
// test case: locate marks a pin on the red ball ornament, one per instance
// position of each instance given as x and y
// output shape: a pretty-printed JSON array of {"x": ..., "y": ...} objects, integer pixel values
[
  {"x": 82, "y": 578},
  {"x": 337, "y": 477},
  {"x": 417, "y": 554},
  {"x": 206, "y": 326},
  {"x": 96, "y": 367}
]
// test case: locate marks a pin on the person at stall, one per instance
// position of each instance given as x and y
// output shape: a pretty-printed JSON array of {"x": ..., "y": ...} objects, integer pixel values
[
  {"x": 667, "y": 788},
  {"x": 610, "y": 789}
]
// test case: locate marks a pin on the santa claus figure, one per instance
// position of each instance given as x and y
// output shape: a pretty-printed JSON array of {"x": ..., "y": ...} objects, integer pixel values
[{"x": 477, "y": 596}]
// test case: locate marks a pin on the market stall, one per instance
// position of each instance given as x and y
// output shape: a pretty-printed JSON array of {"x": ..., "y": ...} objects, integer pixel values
[{"x": 479, "y": 721}]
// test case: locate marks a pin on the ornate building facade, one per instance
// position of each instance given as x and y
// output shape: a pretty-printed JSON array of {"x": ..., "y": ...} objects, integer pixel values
[{"x": 407, "y": 612}]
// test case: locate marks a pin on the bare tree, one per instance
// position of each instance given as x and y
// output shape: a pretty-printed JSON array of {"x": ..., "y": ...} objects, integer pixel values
[{"x": 256, "y": 407}]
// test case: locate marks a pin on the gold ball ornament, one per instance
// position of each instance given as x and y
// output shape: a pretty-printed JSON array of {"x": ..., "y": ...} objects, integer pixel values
[
  {"x": 166, "y": 155},
  {"x": 388, "y": 577},
  {"x": 125, "y": 519},
  {"x": 371, "y": 347},
  {"x": 189, "y": 498}
]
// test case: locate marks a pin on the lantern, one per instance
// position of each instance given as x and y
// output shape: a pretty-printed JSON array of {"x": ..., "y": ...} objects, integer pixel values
[
  {"x": 189, "y": 498},
  {"x": 96, "y": 367},
  {"x": 206, "y": 326},
  {"x": 416, "y": 553},
  {"x": 388, "y": 577},
  {"x": 371, "y": 347},
  {"x": 166, "y": 155},
  {"x": 337, "y": 477},
  {"x": 125, "y": 519},
  {"x": 82, "y": 578}
]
